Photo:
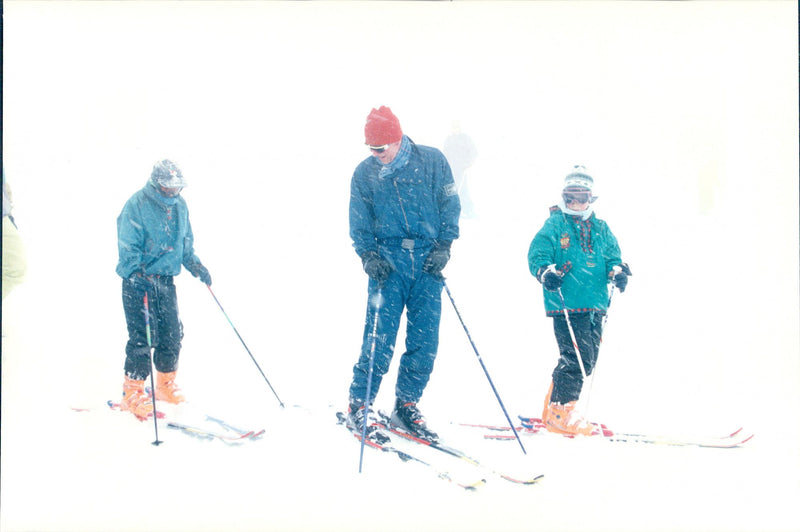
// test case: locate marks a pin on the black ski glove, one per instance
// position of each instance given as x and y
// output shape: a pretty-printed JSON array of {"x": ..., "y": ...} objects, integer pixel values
[
  {"x": 619, "y": 276},
  {"x": 376, "y": 266},
  {"x": 437, "y": 258},
  {"x": 550, "y": 278},
  {"x": 198, "y": 270}
]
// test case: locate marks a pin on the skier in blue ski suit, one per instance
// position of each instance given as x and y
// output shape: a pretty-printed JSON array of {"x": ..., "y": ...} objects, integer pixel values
[{"x": 404, "y": 212}]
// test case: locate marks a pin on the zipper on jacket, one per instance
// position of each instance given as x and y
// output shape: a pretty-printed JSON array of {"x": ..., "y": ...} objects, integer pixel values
[{"x": 405, "y": 218}]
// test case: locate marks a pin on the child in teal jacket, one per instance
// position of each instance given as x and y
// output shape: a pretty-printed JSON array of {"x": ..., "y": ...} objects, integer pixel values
[{"x": 575, "y": 255}]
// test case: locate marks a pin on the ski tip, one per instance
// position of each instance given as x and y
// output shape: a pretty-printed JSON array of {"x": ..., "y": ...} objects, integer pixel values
[
  {"x": 526, "y": 482},
  {"x": 474, "y": 486},
  {"x": 469, "y": 486},
  {"x": 502, "y": 437}
]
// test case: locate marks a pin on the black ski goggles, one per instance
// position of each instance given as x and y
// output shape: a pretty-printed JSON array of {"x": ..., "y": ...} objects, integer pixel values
[{"x": 579, "y": 196}]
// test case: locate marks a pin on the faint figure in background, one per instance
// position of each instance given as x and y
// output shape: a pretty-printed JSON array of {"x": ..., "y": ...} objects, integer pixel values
[
  {"x": 575, "y": 255},
  {"x": 15, "y": 265},
  {"x": 461, "y": 154},
  {"x": 155, "y": 239}
]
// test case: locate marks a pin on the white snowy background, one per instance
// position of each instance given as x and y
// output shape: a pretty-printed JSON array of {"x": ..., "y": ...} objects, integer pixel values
[{"x": 687, "y": 115}]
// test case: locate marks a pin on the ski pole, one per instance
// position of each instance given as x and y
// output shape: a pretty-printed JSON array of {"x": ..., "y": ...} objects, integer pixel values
[
  {"x": 572, "y": 334},
  {"x": 626, "y": 269},
  {"x": 469, "y": 337},
  {"x": 608, "y": 307},
  {"x": 152, "y": 369},
  {"x": 577, "y": 351},
  {"x": 245, "y": 345},
  {"x": 377, "y": 301},
  {"x": 602, "y": 332}
]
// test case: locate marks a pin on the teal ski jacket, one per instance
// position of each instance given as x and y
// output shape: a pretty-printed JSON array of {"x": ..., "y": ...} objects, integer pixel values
[
  {"x": 154, "y": 235},
  {"x": 585, "y": 251}
]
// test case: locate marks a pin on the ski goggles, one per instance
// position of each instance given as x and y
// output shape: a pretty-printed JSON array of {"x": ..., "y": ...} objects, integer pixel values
[
  {"x": 169, "y": 192},
  {"x": 577, "y": 195},
  {"x": 378, "y": 149}
]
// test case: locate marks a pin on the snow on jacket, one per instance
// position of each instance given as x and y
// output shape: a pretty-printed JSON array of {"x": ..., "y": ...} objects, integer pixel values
[
  {"x": 586, "y": 250},
  {"x": 154, "y": 235},
  {"x": 417, "y": 201}
]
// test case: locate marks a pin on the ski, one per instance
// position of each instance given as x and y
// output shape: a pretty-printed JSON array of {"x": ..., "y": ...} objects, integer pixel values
[
  {"x": 729, "y": 440},
  {"x": 533, "y": 426},
  {"x": 229, "y": 433},
  {"x": 388, "y": 447},
  {"x": 451, "y": 451},
  {"x": 203, "y": 433},
  {"x": 115, "y": 406},
  {"x": 253, "y": 435}
]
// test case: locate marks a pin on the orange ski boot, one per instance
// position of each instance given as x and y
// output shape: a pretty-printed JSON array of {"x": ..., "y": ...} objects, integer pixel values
[
  {"x": 135, "y": 400},
  {"x": 563, "y": 419},
  {"x": 167, "y": 390}
]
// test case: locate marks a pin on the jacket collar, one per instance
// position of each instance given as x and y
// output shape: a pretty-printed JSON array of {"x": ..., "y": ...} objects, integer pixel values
[{"x": 151, "y": 192}]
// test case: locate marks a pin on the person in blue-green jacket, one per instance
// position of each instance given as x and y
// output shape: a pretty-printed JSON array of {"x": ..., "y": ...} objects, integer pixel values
[
  {"x": 155, "y": 239},
  {"x": 575, "y": 256}
]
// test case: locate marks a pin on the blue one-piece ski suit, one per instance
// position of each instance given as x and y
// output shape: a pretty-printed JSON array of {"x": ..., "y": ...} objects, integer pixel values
[{"x": 400, "y": 211}]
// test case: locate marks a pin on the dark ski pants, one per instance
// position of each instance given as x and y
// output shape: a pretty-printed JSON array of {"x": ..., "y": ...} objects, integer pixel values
[
  {"x": 567, "y": 376},
  {"x": 420, "y": 295},
  {"x": 166, "y": 330}
]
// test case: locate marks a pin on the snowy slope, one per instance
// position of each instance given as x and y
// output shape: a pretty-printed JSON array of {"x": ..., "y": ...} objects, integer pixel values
[
  {"x": 99, "y": 471},
  {"x": 693, "y": 135}
]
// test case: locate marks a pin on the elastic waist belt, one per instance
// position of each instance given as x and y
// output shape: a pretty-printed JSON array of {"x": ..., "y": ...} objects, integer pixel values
[{"x": 156, "y": 278}]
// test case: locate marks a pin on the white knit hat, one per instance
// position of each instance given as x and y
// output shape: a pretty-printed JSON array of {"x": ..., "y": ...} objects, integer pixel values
[{"x": 578, "y": 177}]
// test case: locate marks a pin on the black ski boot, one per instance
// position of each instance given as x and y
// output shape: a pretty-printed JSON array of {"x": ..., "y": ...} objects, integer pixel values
[
  {"x": 356, "y": 415},
  {"x": 407, "y": 416}
]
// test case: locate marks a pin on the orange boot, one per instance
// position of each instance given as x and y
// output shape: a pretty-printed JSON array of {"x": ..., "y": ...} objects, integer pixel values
[
  {"x": 135, "y": 400},
  {"x": 563, "y": 420},
  {"x": 167, "y": 390}
]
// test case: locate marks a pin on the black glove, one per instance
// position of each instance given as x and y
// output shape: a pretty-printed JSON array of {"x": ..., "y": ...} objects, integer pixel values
[
  {"x": 437, "y": 258},
  {"x": 198, "y": 270},
  {"x": 619, "y": 276},
  {"x": 376, "y": 266},
  {"x": 550, "y": 278}
]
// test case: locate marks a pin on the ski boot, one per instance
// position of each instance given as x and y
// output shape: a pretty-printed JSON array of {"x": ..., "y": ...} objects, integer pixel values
[
  {"x": 407, "y": 416},
  {"x": 357, "y": 414},
  {"x": 135, "y": 400},
  {"x": 167, "y": 390},
  {"x": 563, "y": 419}
]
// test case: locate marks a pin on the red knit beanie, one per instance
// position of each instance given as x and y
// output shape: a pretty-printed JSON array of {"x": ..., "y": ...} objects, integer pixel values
[{"x": 382, "y": 127}]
